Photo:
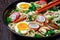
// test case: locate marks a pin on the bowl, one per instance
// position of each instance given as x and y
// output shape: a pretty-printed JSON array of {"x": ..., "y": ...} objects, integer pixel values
[{"x": 10, "y": 8}]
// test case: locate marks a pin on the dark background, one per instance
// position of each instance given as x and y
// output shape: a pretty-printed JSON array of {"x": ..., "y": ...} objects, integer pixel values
[{"x": 5, "y": 34}]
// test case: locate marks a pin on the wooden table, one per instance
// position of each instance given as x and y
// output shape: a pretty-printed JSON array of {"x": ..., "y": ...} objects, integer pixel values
[{"x": 5, "y": 34}]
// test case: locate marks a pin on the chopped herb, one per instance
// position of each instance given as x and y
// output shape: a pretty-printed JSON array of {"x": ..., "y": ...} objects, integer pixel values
[
  {"x": 26, "y": 11},
  {"x": 8, "y": 20},
  {"x": 19, "y": 31},
  {"x": 58, "y": 21},
  {"x": 16, "y": 10},
  {"x": 54, "y": 9},
  {"x": 32, "y": 8},
  {"x": 30, "y": 17},
  {"x": 51, "y": 32},
  {"x": 37, "y": 35}
]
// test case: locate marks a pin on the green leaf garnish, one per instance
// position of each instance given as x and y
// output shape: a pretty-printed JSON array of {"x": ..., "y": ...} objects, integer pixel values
[
  {"x": 16, "y": 10},
  {"x": 58, "y": 21},
  {"x": 8, "y": 20},
  {"x": 33, "y": 7},
  {"x": 54, "y": 9},
  {"x": 51, "y": 32},
  {"x": 26, "y": 11},
  {"x": 37, "y": 36}
]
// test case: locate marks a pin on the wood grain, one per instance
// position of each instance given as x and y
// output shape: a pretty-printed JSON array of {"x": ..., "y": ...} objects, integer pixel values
[{"x": 5, "y": 34}]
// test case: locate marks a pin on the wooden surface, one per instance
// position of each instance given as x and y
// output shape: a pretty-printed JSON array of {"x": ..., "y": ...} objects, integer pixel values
[{"x": 5, "y": 34}]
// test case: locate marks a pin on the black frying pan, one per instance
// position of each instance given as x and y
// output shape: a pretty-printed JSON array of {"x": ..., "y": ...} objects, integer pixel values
[{"x": 11, "y": 7}]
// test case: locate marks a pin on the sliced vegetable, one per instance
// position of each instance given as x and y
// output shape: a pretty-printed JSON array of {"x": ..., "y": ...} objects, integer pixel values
[
  {"x": 8, "y": 20},
  {"x": 43, "y": 30},
  {"x": 40, "y": 18},
  {"x": 20, "y": 19},
  {"x": 34, "y": 25},
  {"x": 14, "y": 16},
  {"x": 37, "y": 35}
]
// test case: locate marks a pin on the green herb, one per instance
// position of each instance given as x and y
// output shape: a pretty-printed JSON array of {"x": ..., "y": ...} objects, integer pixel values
[
  {"x": 37, "y": 36},
  {"x": 58, "y": 21},
  {"x": 54, "y": 9},
  {"x": 19, "y": 31},
  {"x": 26, "y": 11},
  {"x": 30, "y": 17},
  {"x": 50, "y": 17},
  {"x": 36, "y": 5},
  {"x": 51, "y": 32},
  {"x": 45, "y": 34},
  {"x": 8, "y": 20},
  {"x": 58, "y": 30},
  {"x": 33, "y": 7},
  {"x": 16, "y": 10}
]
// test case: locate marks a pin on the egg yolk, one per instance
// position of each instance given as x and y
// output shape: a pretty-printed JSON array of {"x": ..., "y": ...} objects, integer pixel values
[
  {"x": 22, "y": 26},
  {"x": 24, "y": 6}
]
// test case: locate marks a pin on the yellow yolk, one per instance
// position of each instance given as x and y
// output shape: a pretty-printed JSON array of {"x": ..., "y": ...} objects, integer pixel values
[
  {"x": 24, "y": 6},
  {"x": 22, "y": 26}
]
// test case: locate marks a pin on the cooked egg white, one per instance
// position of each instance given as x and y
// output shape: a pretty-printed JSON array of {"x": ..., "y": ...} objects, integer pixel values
[
  {"x": 22, "y": 27},
  {"x": 23, "y": 5}
]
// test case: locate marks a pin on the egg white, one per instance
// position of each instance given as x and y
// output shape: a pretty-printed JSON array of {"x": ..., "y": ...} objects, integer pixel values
[
  {"x": 22, "y": 3},
  {"x": 21, "y": 31}
]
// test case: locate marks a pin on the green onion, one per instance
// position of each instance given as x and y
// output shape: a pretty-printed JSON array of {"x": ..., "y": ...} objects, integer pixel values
[
  {"x": 30, "y": 17},
  {"x": 37, "y": 36},
  {"x": 8, "y": 20},
  {"x": 51, "y": 32},
  {"x": 58, "y": 21},
  {"x": 33, "y": 7},
  {"x": 16, "y": 10}
]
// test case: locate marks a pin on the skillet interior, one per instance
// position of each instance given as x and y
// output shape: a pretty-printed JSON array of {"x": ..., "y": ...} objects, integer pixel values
[{"x": 11, "y": 7}]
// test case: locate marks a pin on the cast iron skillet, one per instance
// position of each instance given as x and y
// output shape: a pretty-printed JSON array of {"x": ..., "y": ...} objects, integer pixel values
[{"x": 11, "y": 7}]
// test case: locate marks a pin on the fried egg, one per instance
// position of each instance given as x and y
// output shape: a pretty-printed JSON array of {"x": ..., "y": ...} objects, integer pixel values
[
  {"x": 22, "y": 27},
  {"x": 23, "y": 5}
]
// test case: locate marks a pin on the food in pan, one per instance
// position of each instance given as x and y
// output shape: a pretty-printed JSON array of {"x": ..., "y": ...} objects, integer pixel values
[{"x": 25, "y": 21}]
